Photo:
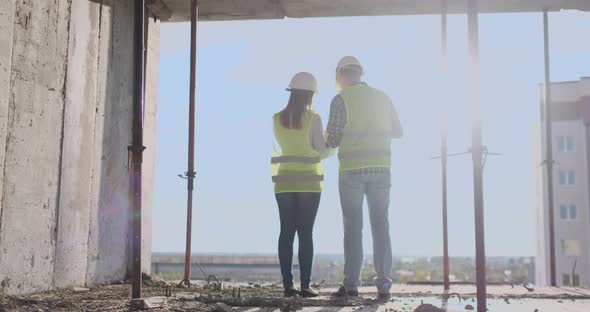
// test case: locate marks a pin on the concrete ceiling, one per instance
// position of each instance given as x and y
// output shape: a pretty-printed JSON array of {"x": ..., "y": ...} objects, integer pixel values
[{"x": 222, "y": 10}]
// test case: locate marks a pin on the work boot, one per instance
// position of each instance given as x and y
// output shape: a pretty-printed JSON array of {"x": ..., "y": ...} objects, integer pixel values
[
  {"x": 290, "y": 292},
  {"x": 383, "y": 296},
  {"x": 308, "y": 293},
  {"x": 342, "y": 292}
]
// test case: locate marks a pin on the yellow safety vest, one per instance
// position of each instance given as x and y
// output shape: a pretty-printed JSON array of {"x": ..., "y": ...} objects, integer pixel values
[
  {"x": 299, "y": 167},
  {"x": 366, "y": 141}
]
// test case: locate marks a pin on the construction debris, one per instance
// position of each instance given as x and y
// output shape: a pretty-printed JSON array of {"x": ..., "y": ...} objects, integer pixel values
[
  {"x": 222, "y": 307},
  {"x": 531, "y": 289},
  {"x": 115, "y": 298},
  {"x": 428, "y": 308},
  {"x": 149, "y": 280},
  {"x": 197, "y": 298},
  {"x": 148, "y": 303}
]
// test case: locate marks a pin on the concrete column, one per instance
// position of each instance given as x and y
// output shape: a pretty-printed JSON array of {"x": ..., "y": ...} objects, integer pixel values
[
  {"x": 110, "y": 224},
  {"x": 78, "y": 141},
  {"x": 66, "y": 86},
  {"x": 33, "y": 145},
  {"x": 149, "y": 139},
  {"x": 103, "y": 65},
  {"x": 7, "y": 11}
]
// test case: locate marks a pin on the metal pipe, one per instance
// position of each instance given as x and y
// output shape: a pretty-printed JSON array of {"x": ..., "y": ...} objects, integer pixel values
[
  {"x": 190, "y": 174},
  {"x": 146, "y": 23},
  {"x": 443, "y": 146},
  {"x": 477, "y": 156},
  {"x": 549, "y": 151},
  {"x": 137, "y": 147}
]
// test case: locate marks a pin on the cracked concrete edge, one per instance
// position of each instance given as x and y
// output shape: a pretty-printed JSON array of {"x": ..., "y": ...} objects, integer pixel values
[{"x": 7, "y": 11}]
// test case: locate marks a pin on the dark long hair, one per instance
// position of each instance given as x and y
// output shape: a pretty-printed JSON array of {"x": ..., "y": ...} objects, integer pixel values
[{"x": 299, "y": 102}]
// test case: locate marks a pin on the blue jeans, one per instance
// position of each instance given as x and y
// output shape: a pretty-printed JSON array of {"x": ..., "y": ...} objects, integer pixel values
[
  {"x": 297, "y": 212},
  {"x": 353, "y": 188}
]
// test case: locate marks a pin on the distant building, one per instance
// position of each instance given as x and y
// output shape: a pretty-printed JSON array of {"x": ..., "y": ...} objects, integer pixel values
[{"x": 571, "y": 153}]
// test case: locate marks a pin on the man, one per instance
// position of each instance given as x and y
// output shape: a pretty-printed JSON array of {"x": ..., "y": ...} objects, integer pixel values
[{"x": 362, "y": 123}]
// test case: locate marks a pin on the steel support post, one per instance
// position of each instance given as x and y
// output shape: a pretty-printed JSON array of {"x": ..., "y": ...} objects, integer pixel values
[
  {"x": 477, "y": 155},
  {"x": 549, "y": 151},
  {"x": 137, "y": 147},
  {"x": 443, "y": 145},
  {"x": 190, "y": 174}
]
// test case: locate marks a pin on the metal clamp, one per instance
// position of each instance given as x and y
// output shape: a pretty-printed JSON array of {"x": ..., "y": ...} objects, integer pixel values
[
  {"x": 485, "y": 153},
  {"x": 133, "y": 149},
  {"x": 136, "y": 148},
  {"x": 188, "y": 175}
]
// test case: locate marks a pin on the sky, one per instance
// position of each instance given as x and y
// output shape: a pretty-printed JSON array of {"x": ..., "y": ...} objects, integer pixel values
[{"x": 243, "y": 70}]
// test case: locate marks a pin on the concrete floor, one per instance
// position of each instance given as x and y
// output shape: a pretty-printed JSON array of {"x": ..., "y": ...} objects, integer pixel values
[
  {"x": 500, "y": 298},
  {"x": 518, "y": 291},
  {"x": 267, "y": 298},
  {"x": 410, "y": 304}
]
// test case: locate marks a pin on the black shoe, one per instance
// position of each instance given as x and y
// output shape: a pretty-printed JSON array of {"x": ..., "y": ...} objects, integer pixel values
[
  {"x": 342, "y": 292},
  {"x": 383, "y": 296},
  {"x": 308, "y": 293},
  {"x": 290, "y": 292}
]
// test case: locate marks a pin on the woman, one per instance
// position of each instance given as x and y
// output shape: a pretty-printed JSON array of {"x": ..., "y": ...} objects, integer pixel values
[{"x": 298, "y": 177}]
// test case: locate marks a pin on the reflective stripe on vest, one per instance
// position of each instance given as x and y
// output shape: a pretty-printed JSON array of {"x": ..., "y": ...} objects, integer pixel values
[
  {"x": 367, "y": 135},
  {"x": 295, "y": 159},
  {"x": 298, "y": 178},
  {"x": 364, "y": 154}
]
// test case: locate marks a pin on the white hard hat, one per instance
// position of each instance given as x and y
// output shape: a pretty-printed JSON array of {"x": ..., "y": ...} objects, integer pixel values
[
  {"x": 303, "y": 81},
  {"x": 349, "y": 62}
]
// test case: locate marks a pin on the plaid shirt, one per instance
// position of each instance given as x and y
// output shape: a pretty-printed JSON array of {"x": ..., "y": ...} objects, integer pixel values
[
  {"x": 336, "y": 122},
  {"x": 335, "y": 129}
]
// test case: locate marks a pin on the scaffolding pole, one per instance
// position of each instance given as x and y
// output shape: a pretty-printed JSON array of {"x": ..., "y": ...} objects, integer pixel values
[
  {"x": 137, "y": 147},
  {"x": 549, "y": 150},
  {"x": 443, "y": 143},
  {"x": 190, "y": 174},
  {"x": 477, "y": 155}
]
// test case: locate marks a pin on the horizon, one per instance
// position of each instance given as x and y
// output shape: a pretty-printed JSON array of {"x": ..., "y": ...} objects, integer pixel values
[{"x": 326, "y": 255}]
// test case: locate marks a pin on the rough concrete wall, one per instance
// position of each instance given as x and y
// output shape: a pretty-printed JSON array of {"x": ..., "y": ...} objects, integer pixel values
[
  {"x": 109, "y": 251},
  {"x": 33, "y": 145},
  {"x": 65, "y": 124},
  {"x": 149, "y": 139},
  {"x": 78, "y": 141},
  {"x": 110, "y": 222},
  {"x": 6, "y": 30},
  {"x": 103, "y": 65}
]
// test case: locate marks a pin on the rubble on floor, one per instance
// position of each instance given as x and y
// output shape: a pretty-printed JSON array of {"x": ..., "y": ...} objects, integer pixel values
[
  {"x": 427, "y": 307},
  {"x": 208, "y": 298},
  {"x": 250, "y": 297}
]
